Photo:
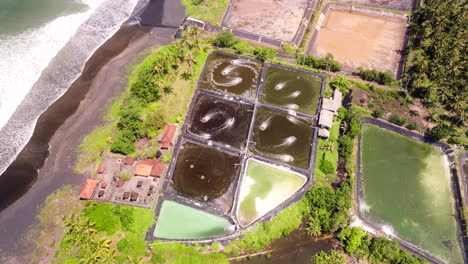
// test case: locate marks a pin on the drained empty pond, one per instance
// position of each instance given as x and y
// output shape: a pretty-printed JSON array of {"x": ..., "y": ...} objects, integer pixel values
[
  {"x": 228, "y": 74},
  {"x": 282, "y": 137},
  {"x": 203, "y": 173},
  {"x": 279, "y": 19},
  {"x": 177, "y": 221},
  {"x": 263, "y": 188},
  {"x": 291, "y": 89},
  {"x": 220, "y": 120},
  {"x": 361, "y": 40},
  {"x": 406, "y": 190}
]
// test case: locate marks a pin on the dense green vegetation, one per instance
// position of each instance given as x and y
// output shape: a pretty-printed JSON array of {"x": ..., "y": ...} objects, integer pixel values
[
  {"x": 376, "y": 76},
  {"x": 438, "y": 70},
  {"x": 328, "y": 63},
  {"x": 332, "y": 257},
  {"x": 376, "y": 249}
]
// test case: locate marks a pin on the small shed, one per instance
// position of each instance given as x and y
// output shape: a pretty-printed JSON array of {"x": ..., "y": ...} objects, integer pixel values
[
  {"x": 126, "y": 195},
  {"x": 101, "y": 170},
  {"x": 103, "y": 185},
  {"x": 167, "y": 139},
  {"x": 326, "y": 119},
  {"x": 139, "y": 184},
  {"x": 129, "y": 161},
  {"x": 120, "y": 183},
  {"x": 133, "y": 196},
  {"x": 88, "y": 189},
  {"x": 323, "y": 133},
  {"x": 101, "y": 193}
]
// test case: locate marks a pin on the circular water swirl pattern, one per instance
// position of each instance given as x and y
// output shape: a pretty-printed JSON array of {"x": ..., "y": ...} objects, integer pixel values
[
  {"x": 220, "y": 120},
  {"x": 281, "y": 137},
  {"x": 224, "y": 73}
]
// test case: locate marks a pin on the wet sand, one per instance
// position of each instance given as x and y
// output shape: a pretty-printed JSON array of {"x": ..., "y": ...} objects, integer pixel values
[
  {"x": 46, "y": 162},
  {"x": 67, "y": 121},
  {"x": 361, "y": 40}
]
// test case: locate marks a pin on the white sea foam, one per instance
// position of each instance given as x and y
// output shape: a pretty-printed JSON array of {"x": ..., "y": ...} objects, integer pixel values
[{"x": 25, "y": 56}]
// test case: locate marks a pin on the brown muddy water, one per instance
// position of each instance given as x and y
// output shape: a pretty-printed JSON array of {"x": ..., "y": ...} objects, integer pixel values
[
  {"x": 224, "y": 73},
  {"x": 292, "y": 90},
  {"x": 203, "y": 173},
  {"x": 297, "y": 248},
  {"x": 282, "y": 137},
  {"x": 220, "y": 120}
]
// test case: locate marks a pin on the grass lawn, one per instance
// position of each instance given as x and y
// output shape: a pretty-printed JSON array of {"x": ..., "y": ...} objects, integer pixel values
[
  {"x": 407, "y": 189},
  {"x": 211, "y": 11}
]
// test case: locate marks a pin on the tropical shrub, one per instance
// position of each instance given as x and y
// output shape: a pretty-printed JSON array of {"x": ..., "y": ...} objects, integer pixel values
[
  {"x": 224, "y": 39},
  {"x": 263, "y": 54}
]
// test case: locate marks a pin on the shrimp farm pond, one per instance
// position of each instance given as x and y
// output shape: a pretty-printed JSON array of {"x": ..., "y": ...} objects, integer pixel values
[
  {"x": 406, "y": 192},
  {"x": 233, "y": 140}
]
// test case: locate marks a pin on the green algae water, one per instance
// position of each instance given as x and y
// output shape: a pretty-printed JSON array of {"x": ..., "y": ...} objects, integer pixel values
[
  {"x": 264, "y": 187},
  {"x": 291, "y": 90},
  {"x": 177, "y": 221},
  {"x": 406, "y": 190}
]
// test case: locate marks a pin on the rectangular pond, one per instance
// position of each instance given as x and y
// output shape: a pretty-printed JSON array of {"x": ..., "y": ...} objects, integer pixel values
[
  {"x": 204, "y": 173},
  {"x": 282, "y": 137},
  {"x": 220, "y": 120},
  {"x": 291, "y": 90},
  {"x": 229, "y": 74},
  {"x": 178, "y": 221},
  {"x": 406, "y": 190},
  {"x": 263, "y": 188},
  {"x": 358, "y": 39}
]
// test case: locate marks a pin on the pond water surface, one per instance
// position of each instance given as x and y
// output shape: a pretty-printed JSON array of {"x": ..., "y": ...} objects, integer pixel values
[
  {"x": 282, "y": 137},
  {"x": 228, "y": 74},
  {"x": 263, "y": 188},
  {"x": 292, "y": 90},
  {"x": 406, "y": 191},
  {"x": 204, "y": 173},
  {"x": 220, "y": 120},
  {"x": 177, "y": 221}
]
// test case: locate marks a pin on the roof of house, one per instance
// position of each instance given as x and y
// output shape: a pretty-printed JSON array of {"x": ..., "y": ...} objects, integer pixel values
[
  {"x": 332, "y": 104},
  {"x": 168, "y": 135},
  {"x": 103, "y": 185},
  {"x": 120, "y": 183},
  {"x": 88, "y": 188},
  {"x": 323, "y": 132},
  {"x": 158, "y": 168},
  {"x": 101, "y": 170},
  {"x": 144, "y": 168},
  {"x": 129, "y": 161},
  {"x": 326, "y": 118}
]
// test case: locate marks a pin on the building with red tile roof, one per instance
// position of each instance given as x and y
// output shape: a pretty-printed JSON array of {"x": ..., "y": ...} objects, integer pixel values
[
  {"x": 168, "y": 135},
  {"x": 88, "y": 189},
  {"x": 101, "y": 170},
  {"x": 144, "y": 168},
  {"x": 129, "y": 161},
  {"x": 158, "y": 168}
]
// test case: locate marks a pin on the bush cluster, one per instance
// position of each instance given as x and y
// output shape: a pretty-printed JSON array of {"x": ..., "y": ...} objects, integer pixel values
[
  {"x": 341, "y": 83},
  {"x": 109, "y": 218},
  {"x": 328, "y": 207},
  {"x": 224, "y": 39},
  {"x": 376, "y": 76},
  {"x": 327, "y": 63},
  {"x": 397, "y": 119},
  {"x": 378, "y": 113},
  {"x": 377, "y": 249},
  {"x": 351, "y": 127},
  {"x": 263, "y": 54}
]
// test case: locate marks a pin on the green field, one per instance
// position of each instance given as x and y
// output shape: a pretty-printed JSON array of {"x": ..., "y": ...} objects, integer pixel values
[
  {"x": 406, "y": 186},
  {"x": 264, "y": 187},
  {"x": 177, "y": 221}
]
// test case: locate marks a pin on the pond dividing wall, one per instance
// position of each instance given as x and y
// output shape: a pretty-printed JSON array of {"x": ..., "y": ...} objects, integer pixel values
[
  {"x": 405, "y": 191},
  {"x": 227, "y": 126}
]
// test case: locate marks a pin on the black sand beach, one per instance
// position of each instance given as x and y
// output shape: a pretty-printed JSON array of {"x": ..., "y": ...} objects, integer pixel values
[{"x": 46, "y": 162}]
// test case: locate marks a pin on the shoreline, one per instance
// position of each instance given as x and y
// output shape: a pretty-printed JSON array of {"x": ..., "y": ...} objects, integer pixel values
[{"x": 52, "y": 148}]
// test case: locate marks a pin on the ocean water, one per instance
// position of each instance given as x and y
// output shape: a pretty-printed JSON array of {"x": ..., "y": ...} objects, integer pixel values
[{"x": 44, "y": 45}]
